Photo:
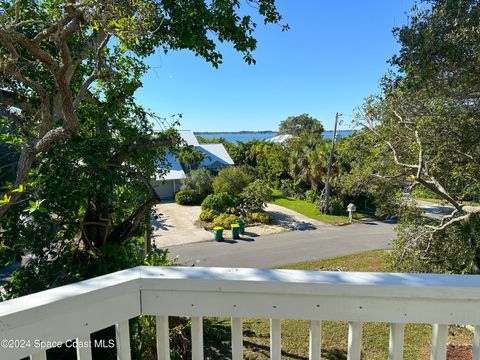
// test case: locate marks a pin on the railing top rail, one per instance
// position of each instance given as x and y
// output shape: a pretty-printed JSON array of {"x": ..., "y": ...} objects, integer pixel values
[
  {"x": 258, "y": 280},
  {"x": 324, "y": 283},
  {"x": 82, "y": 308},
  {"x": 60, "y": 294},
  {"x": 310, "y": 276}
]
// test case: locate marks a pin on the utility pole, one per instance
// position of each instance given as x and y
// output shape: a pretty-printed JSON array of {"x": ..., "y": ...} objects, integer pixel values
[{"x": 330, "y": 163}]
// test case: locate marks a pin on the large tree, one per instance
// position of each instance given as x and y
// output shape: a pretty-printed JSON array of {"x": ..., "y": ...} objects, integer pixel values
[
  {"x": 428, "y": 120},
  {"x": 301, "y": 125},
  {"x": 86, "y": 151}
]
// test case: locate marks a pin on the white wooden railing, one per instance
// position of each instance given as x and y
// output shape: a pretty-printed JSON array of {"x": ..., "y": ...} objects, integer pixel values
[{"x": 75, "y": 311}]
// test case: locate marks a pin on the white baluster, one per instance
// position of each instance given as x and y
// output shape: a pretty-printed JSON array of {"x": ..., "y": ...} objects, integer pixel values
[
  {"x": 354, "y": 340},
  {"x": 315, "y": 340},
  {"x": 197, "y": 338},
  {"x": 476, "y": 343},
  {"x": 439, "y": 342},
  {"x": 275, "y": 339},
  {"x": 395, "y": 348},
  {"x": 237, "y": 339},
  {"x": 122, "y": 334},
  {"x": 163, "y": 338},
  {"x": 84, "y": 352},
  {"x": 42, "y": 355}
]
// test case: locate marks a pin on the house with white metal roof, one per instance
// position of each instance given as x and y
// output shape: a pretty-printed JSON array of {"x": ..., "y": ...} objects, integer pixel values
[
  {"x": 169, "y": 183},
  {"x": 217, "y": 156},
  {"x": 280, "y": 139}
]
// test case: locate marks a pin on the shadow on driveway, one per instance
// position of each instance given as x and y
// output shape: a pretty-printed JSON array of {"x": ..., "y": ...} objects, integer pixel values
[{"x": 288, "y": 222}]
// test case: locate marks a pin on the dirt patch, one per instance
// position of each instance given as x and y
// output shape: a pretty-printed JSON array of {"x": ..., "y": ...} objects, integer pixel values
[
  {"x": 254, "y": 231},
  {"x": 459, "y": 352}
]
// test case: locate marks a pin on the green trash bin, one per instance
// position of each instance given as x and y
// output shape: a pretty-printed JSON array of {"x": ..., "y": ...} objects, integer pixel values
[
  {"x": 218, "y": 233},
  {"x": 235, "y": 231},
  {"x": 241, "y": 223}
]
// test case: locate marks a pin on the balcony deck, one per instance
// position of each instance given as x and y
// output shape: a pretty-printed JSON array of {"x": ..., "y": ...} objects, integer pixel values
[{"x": 33, "y": 323}]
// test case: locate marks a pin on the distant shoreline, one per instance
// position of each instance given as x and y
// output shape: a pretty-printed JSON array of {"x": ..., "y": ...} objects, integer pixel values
[
  {"x": 247, "y": 132},
  {"x": 233, "y": 132}
]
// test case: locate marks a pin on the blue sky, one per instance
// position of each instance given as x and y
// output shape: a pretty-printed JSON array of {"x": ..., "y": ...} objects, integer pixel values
[{"x": 331, "y": 59}]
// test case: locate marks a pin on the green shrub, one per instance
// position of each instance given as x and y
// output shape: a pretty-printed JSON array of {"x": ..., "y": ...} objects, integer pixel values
[
  {"x": 200, "y": 181},
  {"x": 207, "y": 215},
  {"x": 225, "y": 220},
  {"x": 335, "y": 206},
  {"x": 188, "y": 197},
  {"x": 232, "y": 180},
  {"x": 259, "y": 217},
  {"x": 311, "y": 196},
  {"x": 254, "y": 197},
  {"x": 292, "y": 188},
  {"x": 218, "y": 203}
]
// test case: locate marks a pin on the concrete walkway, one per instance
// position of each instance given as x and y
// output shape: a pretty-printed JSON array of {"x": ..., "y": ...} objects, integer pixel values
[
  {"x": 175, "y": 225},
  {"x": 288, "y": 248},
  {"x": 292, "y": 220}
]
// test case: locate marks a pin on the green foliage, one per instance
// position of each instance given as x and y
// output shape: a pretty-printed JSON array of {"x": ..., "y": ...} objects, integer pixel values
[
  {"x": 360, "y": 157},
  {"x": 452, "y": 250},
  {"x": 143, "y": 333},
  {"x": 423, "y": 130},
  {"x": 243, "y": 153},
  {"x": 308, "y": 160},
  {"x": 301, "y": 125},
  {"x": 336, "y": 206},
  {"x": 421, "y": 192},
  {"x": 188, "y": 197},
  {"x": 232, "y": 180},
  {"x": 190, "y": 157},
  {"x": 259, "y": 217},
  {"x": 225, "y": 220},
  {"x": 292, "y": 187},
  {"x": 199, "y": 180},
  {"x": 270, "y": 161},
  {"x": 311, "y": 196},
  {"x": 207, "y": 215},
  {"x": 219, "y": 202},
  {"x": 254, "y": 197},
  {"x": 79, "y": 208}
]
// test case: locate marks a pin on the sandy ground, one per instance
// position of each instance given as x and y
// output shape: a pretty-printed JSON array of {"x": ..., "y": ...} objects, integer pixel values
[{"x": 176, "y": 225}]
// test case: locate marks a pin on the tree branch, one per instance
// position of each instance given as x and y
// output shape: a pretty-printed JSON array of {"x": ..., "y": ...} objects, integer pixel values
[{"x": 145, "y": 144}]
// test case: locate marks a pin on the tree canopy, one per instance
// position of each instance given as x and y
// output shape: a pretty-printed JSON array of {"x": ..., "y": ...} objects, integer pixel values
[
  {"x": 428, "y": 120},
  {"x": 301, "y": 125},
  {"x": 80, "y": 151}
]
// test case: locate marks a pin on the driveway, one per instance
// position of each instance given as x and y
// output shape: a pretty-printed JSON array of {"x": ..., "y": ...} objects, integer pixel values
[
  {"x": 292, "y": 220},
  {"x": 176, "y": 225},
  {"x": 433, "y": 210},
  {"x": 289, "y": 247}
]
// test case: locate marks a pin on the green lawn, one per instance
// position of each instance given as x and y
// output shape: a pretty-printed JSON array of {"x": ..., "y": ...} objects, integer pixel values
[
  {"x": 335, "y": 333},
  {"x": 308, "y": 209}
]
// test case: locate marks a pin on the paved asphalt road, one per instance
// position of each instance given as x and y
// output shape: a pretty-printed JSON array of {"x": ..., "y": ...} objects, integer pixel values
[{"x": 289, "y": 247}]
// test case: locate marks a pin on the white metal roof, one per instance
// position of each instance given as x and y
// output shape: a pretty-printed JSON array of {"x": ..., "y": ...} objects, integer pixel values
[
  {"x": 215, "y": 152},
  {"x": 175, "y": 170},
  {"x": 280, "y": 139},
  {"x": 189, "y": 137}
]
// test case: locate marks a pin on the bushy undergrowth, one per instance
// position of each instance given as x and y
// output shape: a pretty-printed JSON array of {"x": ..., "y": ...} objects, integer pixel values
[
  {"x": 188, "y": 197},
  {"x": 225, "y": 220}
]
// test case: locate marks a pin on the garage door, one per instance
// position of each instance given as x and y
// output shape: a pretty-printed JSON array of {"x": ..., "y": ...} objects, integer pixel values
[{"x": 165, "y": 190}]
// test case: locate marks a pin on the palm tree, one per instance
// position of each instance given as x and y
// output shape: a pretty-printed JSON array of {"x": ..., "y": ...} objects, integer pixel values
[{"x": 309, "y": 161}]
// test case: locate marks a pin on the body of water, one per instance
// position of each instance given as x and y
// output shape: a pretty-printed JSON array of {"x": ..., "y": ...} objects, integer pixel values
[{"x": 246, "y": 136}]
